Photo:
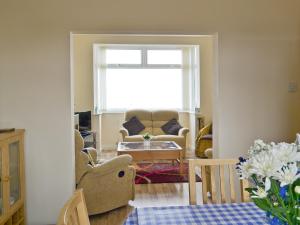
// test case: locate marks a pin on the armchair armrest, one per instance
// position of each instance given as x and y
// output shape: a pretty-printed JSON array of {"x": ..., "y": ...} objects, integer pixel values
[
  {"x": 208, "y": 153},
  {"x": 183, "y": 131},
  {"x": 124, "y": 132},
  {"x": 93, "y": 154},
  {"x": 111, "y": 165},
  {"x": 205, "y": 130}
]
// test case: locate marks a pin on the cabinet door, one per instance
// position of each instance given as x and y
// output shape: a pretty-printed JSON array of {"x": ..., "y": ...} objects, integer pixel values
[{"x": 14, "y": 170}]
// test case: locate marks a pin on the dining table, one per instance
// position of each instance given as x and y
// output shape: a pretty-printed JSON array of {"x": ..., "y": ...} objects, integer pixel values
[{"x": 206, "y": 214}]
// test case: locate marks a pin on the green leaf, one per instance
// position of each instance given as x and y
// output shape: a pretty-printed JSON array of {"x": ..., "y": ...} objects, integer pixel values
[{"x": 262, "y": 203}]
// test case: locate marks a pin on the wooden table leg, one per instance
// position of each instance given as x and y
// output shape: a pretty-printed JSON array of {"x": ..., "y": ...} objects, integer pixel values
[{"x": 180, "y": 163}]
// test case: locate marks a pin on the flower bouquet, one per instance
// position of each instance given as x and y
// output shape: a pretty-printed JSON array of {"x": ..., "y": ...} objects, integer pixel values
[
  {"x": 273, "y": 171},
  {"x": 147, "y": 137}
]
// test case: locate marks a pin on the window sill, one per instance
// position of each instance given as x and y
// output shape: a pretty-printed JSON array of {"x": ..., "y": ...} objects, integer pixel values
[{"x": 123, "y": 111}]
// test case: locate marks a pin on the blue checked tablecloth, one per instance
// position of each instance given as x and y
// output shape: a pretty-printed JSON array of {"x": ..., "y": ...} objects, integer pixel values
[{"x": 209, "y": 214}]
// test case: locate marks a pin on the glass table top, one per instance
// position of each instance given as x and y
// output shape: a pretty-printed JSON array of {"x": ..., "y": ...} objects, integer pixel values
[{"x": 151, "y": 145}]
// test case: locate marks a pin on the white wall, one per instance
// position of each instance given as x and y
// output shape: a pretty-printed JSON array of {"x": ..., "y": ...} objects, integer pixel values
[{"x": 259, "y": 54}]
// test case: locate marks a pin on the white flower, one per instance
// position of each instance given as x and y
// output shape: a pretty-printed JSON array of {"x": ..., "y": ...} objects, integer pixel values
[
  {"x": 297, "y": 142},
  {"x": 260, "y": 193},
  {"x": 286, "y": 153},
  {"x": 245, "y": 169},
  {"x": 297, "y": 189},
  {"x": 258, "y": 146},
  {"x": 267, "y": 184},
  {"x": 265, "y": 164},
  {"x": 288, "y": 174}
]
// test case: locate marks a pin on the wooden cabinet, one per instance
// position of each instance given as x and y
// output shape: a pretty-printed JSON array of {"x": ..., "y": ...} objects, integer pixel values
[{"x": 12, "y": 190}]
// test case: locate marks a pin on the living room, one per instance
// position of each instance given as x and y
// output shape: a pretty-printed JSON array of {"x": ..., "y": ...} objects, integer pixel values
[
  {"x": 189, "y": 88},
  {"x": 258, "y": 64}
]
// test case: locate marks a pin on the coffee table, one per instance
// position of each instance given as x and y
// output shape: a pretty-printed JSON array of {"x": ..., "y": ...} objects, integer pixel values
[{"x": 155, "y": 150}]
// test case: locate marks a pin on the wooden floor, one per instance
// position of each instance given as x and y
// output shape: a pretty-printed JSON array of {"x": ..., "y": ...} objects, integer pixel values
[{"x": 147, "y": 195}]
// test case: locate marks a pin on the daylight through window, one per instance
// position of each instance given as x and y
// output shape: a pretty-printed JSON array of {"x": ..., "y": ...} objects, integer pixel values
[{"x": 145, "y": 76}]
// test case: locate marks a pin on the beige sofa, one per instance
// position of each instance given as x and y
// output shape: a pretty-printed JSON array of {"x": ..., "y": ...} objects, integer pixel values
[
  {"x": 106, "y": 186},
  {"x": 153, "y": 120}
]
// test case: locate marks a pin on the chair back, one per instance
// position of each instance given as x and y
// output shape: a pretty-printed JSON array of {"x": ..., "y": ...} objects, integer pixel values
[
  {"x": 219, "y": 173},
  {"x": 74, "y": 212}
]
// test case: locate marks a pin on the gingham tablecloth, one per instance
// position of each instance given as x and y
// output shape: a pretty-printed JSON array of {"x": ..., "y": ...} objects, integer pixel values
[{"x": 209, "y": 214}]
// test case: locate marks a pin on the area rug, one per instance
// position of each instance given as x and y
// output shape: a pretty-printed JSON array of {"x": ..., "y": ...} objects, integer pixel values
[{"x": 161, "y": 173}]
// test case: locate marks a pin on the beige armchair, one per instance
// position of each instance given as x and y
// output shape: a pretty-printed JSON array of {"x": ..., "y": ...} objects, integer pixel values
[
  {"x": 105, "y": 186},
  {"x": 204, "y": 142},
  {"x": 153, "y": 120}
]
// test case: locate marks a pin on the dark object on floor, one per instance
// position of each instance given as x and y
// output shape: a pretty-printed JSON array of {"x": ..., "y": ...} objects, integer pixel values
[{"x": 161, "y": 173}]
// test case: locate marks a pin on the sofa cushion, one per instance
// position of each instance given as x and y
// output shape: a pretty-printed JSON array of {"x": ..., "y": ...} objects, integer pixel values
[
  {"x": 171, "y": 127},
  {"x": 134, "y": 126},
  {"x": 144, "y": 116},
  {"x": 139, "y": 113},
  {"x": 164, "y": 115}
]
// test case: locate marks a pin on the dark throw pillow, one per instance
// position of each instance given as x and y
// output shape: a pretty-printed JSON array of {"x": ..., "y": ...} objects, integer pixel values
[
  {"x": 171, "y": 127},
  {"x": 134, "y": 126}
]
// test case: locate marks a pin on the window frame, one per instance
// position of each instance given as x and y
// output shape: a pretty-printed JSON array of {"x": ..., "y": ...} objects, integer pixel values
[{"x": 100, "y": 67}]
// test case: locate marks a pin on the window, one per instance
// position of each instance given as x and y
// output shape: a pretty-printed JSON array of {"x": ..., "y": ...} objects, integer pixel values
[{"x": 145, "y": 76}]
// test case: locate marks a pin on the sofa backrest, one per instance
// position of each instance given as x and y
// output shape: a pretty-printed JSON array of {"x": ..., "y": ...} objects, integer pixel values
[
  {"x": 160, "y": 117},
  {"x": 145, "y": 116},
  {"x": 152, "y": 120}
]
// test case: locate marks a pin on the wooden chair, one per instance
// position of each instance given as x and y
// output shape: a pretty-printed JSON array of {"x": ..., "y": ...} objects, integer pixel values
[
  {"x": 74, "y": 212},
  {"x": 221, "y": 165}
]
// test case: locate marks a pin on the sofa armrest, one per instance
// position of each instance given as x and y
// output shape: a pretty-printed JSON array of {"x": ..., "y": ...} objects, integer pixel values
[
  {"x": 111, "y": 165},
  {"x": 124, "y": 132},
  {"x": 183, "y": 131}
]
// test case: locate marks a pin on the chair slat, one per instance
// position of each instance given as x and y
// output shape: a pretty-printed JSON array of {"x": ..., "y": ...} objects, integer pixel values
[
  {"x": 213, "y": 184},
  {"x": 74, "y": 212},
  {"x": 222, "y": 184},
  {"x": 73, "y": 219},
  {"x": 231, "y": 181},
  {"x": 204, "y": 184},
  {"x": 245, "y": 196}
]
